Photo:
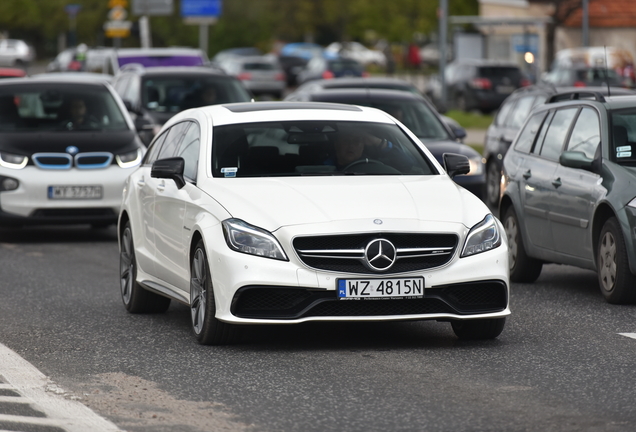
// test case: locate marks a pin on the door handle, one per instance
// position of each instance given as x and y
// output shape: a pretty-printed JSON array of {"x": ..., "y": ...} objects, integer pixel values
[
  {"x": 527, "y": 175},
  {"x": 556, "y": 183},
  {"x": 141, "y": 181},
  {"x": 161, "y": 186}
]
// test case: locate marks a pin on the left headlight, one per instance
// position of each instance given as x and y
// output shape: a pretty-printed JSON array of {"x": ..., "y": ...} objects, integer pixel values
[
  {"x": 243, "y": 237},
  {"x": 482, "y": 237},
  {"x": 14, "y": 161},
  {"x": 476, "y": 165},
  {"x": 130, "y": 159}
]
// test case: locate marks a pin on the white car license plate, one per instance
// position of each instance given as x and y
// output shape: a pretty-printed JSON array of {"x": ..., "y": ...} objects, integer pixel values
[
  {"x": 75, "y": 192},
  {"x": 399, "y": 288}
]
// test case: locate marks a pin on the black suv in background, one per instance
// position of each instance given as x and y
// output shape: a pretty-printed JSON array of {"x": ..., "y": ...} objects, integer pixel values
[
  {"x": 153, "y": 95},
  {"x": 508, "y": 121},
  {"x": 477, "y": 84}
]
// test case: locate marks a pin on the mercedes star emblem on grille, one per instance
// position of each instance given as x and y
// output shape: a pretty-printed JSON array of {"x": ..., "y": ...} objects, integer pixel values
[{"x": 380, "y": 254}]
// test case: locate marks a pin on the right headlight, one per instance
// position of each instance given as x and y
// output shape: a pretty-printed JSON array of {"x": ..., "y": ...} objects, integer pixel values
[
  {"x": 13, "y": 161},
  {"x": 482, "y": 237},
  {"x": 243, "y": 237}
]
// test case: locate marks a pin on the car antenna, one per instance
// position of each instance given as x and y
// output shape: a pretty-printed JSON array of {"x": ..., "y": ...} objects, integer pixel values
[{"x": 606, "y": 72}]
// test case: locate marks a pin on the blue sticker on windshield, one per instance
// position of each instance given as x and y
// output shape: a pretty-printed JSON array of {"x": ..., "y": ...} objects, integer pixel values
[{"x": 229, "y": 172}]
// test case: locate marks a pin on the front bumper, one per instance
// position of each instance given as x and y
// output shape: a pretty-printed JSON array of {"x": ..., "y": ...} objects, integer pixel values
[
  {"x": 255, "y": 290},
  {"x": 30, "y": 203}
]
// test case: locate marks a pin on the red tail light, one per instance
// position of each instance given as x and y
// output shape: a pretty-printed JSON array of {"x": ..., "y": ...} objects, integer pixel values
[
  {"x": 366, "y": 74},
  {"x": 579, "y": 84},
  {"x": 279, "y": 76},
  {"x": 327, "y": 75},
  {"x": 481, "y": 83},
  {"x": 525, "y": 82},
  {"x": 244, "y": 76}
]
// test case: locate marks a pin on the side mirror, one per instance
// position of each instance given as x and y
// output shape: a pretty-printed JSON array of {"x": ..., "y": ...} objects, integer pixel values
[
  {"x": 576, "y": 159},
  {"x": 456, "y": 164},
  {"x": 460, "y": 132},
  {"x": 131, "y": 108},
  {"x": 169, "y": 168}
]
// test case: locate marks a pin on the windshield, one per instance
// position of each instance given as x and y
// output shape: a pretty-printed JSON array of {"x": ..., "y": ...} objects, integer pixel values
[
  {"x": 315, "y": 148},
  {"x": 176, "y": 93},
  {"x": 58, "y": 107},
  {"x": 623, "y": 147}
]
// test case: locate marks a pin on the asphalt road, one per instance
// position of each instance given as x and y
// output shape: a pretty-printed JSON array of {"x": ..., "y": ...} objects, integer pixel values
[{"x": 560, "y": 364}]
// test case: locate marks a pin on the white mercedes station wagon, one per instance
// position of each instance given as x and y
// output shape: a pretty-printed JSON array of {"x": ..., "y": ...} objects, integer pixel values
[{"x": 288, "y": 212}]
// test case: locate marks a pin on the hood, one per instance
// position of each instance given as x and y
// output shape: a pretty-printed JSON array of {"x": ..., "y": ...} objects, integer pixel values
[
  {"x": 271, "y": 203},
  {"x": 27, "y": 143}
]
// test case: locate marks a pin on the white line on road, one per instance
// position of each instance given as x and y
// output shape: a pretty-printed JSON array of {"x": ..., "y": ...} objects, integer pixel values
[
  {"x": 34, "y": 386},
  {"x": 629, "y": 335}
]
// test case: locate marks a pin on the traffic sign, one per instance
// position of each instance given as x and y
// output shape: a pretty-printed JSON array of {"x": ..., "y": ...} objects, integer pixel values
[
  {"x": 152, "y": 7},
  {"x": 201, "y": 11},
  {"x": 72, "y": 9}
]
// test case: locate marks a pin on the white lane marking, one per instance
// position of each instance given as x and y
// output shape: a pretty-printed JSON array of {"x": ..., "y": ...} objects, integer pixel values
[
  {"x": 32, "y": 385},
  {"x": 629, "y": 335}
]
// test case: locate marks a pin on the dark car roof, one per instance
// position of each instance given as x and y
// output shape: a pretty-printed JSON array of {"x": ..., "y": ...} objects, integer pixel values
[
  {"x": 361, "y": 82},
  {"x": 550, "y": 89},
  {"x": 375, "y": 94},
  {"x": 174, "y": 70}
]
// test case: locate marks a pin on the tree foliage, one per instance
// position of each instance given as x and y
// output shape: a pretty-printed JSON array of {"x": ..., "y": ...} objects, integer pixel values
[{"x": 242, "y": 23}]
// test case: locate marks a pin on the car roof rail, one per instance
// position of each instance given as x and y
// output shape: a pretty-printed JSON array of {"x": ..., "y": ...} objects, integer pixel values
[{"x": 576, "y": 95}]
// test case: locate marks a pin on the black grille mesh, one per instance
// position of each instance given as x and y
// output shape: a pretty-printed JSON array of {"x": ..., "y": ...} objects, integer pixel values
[
  {"x": 360, "y": 241},
  {"x": 292, "y": 303}
]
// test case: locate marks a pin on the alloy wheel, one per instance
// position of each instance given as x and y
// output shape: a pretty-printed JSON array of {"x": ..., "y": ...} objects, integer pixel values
[
  {"x": 127, "y": 266},
  {"x": 607, "y": 261},
  {"x": 512, "y": 233},
  {"x": 198, "y": 291}
]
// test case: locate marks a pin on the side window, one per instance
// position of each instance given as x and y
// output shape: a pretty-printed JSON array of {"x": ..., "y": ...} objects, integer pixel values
[
  {"x": 503, "y": 112},
  {"x": 529, "y": 132},
  {"x": 121, "y": 83},
  {"x": 521, "y": 111},
  {"x": 586, "y": 135},
  {"x": 155, "y": 148},
  {"x": 557, "y": 131},
  {"x": 174, "y": 137},
  {"x": 132, "y": 91},
  {"x": 189, "y": 151}
]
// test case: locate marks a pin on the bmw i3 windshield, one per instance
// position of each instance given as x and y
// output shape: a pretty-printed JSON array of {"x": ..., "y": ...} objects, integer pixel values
[
  {"x": 38, "y": 107},
  {"x": 295, "y": 148}
]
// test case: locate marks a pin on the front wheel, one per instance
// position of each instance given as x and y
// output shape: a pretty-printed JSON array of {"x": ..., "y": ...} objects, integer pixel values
[
  {"x": 207, "y": 329},
  {"x": 522, "y": 267},
  {"x": 616, "y": 281},
  {"x": 493, "y": 182},
  {"x": 136, "y": 299},
  {"x": 478, "y": 328}
]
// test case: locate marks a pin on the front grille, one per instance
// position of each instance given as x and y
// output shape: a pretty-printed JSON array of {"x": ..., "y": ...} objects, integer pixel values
[
  {"x": 93, "y": 160},
  {"x": 89, "y": 160},
  {"x": 266, "y": 302},
  {"x": 52, "y": 160},
  {"x": 345, "y": 253}
]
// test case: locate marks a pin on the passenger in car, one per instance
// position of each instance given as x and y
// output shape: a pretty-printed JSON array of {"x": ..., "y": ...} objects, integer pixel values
[{"x": 78, "y": 116}]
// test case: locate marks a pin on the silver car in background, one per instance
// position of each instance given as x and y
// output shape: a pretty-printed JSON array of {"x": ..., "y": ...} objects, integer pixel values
[
  {"x": 15, "y": 53},
  {"x": 261, "y": 75}
]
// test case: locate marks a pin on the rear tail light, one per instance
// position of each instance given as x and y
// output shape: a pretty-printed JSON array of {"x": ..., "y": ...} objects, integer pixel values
[
  {"x": 481, "y": 83},
  {"x": 365, "y": 74},
  {"x": 244, "y": 76},
  {"x": 327, "y": 75},
  {"x": 279, "y": 76},
  {"x": 525, "y": 82},
  {"x": 579, "y": 84}
]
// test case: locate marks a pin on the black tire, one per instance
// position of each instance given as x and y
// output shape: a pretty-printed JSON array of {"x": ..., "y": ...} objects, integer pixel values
[
  {"x": 493, "y": 183},
  {"x": 136, "y": 299},
  {"x": 617, "y": 283},
  {"x": 478, "y": 328},
  {"x": 207, "y": 329},
  {"x": 522, "y": 267}
]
